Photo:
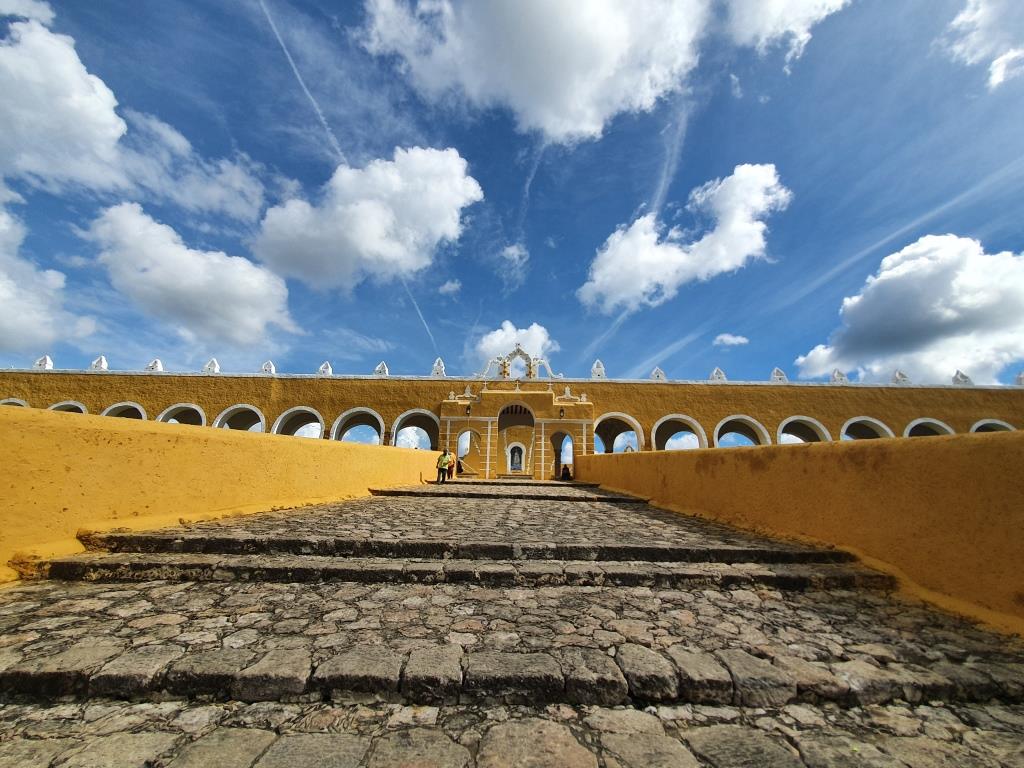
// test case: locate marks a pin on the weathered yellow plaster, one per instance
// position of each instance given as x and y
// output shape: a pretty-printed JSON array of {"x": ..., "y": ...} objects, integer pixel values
[
  {"x": 62, "y": 472},
  {"x": 946, "y": 514}
]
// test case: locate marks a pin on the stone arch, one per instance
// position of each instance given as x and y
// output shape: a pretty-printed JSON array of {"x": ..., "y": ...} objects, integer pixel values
[
  {"x": 184, "y": 413},
  {"x": 744, "y": 425},
  {"x": 516, "y": 414},
  {"x": 294, "y": 419},
  {"x": 358, "y": 417},
  {"x": 667, "y": 426},
  {"x": 992, "y": 425},
  {"x": 15, "y": 401},
  {"x": 557, "y": 440},
  {"x": 865, "y": 428},
  {"x": 241, "y": 416},
  {"x": 422, "y": 418},
  {"x": 610, "y": 425},
  {"x": 125, "y": 410},
  {"x": 69, "y": 406},
  {"x": 804, "y": 428},
  {"x": 926, "y": 427}
]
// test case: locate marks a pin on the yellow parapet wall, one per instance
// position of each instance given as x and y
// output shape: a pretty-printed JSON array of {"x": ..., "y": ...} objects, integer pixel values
[
  {"x": 946, "y": 514},
  {"x": 61, "y": 472}
]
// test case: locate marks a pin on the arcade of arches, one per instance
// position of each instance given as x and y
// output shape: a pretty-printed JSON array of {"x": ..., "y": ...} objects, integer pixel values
[{"x": 524, "y": 427}]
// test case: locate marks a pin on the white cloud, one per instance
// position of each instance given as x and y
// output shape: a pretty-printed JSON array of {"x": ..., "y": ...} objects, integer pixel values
[
  {"x": 514, "y": 261},
  {"x": 564, "y": 69},
  {"x": 642, "y": 265},
  {"x": 412, "y": 437},
  {"x": 989, "y": 31},
  {"x": 764, "y": 23},
  {"x": 382, "y": 221},
  {"x": 450, "y": 287},
  {"x": 940, "y": 304},
  {"x": 61, "y": 128},
  {"x": 729, "y": 340},
  {"x": 682, "y": 441},
  {"x": 27, "y": 9},
  {"x": 32, "y": 315},
  {"x": 205, "y": 294},
  {"x": 535, "y": 340}
]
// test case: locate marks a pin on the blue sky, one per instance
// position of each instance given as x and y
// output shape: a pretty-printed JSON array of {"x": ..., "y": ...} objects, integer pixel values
[{"x": 809, "y": 184}]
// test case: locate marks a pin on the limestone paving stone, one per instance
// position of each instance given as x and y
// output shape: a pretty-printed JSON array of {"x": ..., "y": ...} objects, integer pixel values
[
  {"x": 513, "y": 677},
  {"x": 814, "y": 682},
  {"x": 122, "y": 750},
  {"x": 21, "y": 753},
  {"x": 756, "y": 682},
  {"x": 533, "y": 743},
  {"x": 651, "y": 677},
  {"x": 225, "y": 748},
  {"x": 433, "y": 674},
  {"x": 867, "y": 683},
  {"x": 702, "y": 679},
  {"x": 133, "y": 672},
  {"x": 207, "y": 672},
  {"x": 840, "y": 751},
  {"x": 62, "y": 673},
  {"x": 280, "y": 673},
  {"x": 646, "y": 750},
  {"x": 419, "y": 748},
  {"x": 737, "y": 746},
  {"x": 591, "y": 677},
  {"x": 315, "y": 750},
  {"x": 364, "y": 669}
]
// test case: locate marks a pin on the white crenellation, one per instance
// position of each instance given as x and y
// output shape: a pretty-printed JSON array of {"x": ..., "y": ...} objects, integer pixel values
[
  {"x": 597, "y": 370},
  {"x": 717, "y": 375},
  {"x": 438, "y": 370},
  {"x": 268, "y": 367},
  {"x": 838, "y": 377},
  {"x": 658, "y": 375},
  {"x": 212, "y": 366},
  {"x": 156, "y": 365},
  {"x": 899, "y": 377},
  {"x": 381, "y": 369},
  {"x": 961, "y": 379},
  {"x": 99, "y": 364},
  {"x": 779, "y": 376},
  {"x": 44, "y": 363},
  {"x": 325, "y": 369}
]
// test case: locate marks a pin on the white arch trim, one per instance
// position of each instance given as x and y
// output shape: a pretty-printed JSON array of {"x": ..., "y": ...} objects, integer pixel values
[
  {"x": 750, "y": 421},
  {"x": 127, "y": 403},
  {"x": 397, "y": 425},
  {"x": 994, "y": 423},
  {"x": 14, "y": 401},
  {"x": 351, "y": 411},
  {"x": 626, "y": 418},
  {"x": 693, "y": 424},
  {"x": 231, "y": 410},
  {"x": 817, "y": 426},
  {"x": 508, "y": 456},
  {"x": 869, "y": 420},
  {"x": 61, "y": 406},
  {"x": 166, "y": 413},
  {"x": 283, "y": 418},
  {"x": 943, "y": 426}
]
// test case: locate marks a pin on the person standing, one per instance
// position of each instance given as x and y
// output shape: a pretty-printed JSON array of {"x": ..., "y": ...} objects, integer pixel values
[
  {"x": 451, "y": 464},
  {"x": 442, "y": 467}
]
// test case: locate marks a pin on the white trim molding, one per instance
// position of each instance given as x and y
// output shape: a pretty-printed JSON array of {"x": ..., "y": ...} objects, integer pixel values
[
  {"x": 941, "y": 425},
  {"x": 108, "y": 411},
  {"x": 340, "y": 421},
  {"x": 1001, "y": 426},
  {"x": 231, "y": 410},
  {"x": 749, "y": 421},
  {"x": 815, "y": 426},
  {"x": 689, "y": 421},
  {"x": 880, "y": 427},
  {"x": 14, "y": 401},
  {"x": 63, "y": 407},
  {"x": 168, "y": 413}
]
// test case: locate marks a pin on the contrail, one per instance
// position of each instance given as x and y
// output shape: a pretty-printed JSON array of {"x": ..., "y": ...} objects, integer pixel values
[
  {"x": 644, "y": 366},
  {"x": 524, "y": 201},
  {"x": 418, "y": 312},
  {"x": 610, "y": 331},
  {"x": 316, "y": 107},
  {"x": 668, "y": 169}
]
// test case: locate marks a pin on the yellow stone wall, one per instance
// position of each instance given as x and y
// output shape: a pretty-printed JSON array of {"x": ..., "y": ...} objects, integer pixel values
[
  {"x": 62, "y": 472},
  {"x": 946, "y": 514}
]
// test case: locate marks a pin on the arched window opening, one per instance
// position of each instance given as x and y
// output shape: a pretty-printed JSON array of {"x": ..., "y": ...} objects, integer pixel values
[
  {"x": 125, "y": 411},
  {"x": 414, "y": 437},
  {"x": 864, "y": 428},
  {"x": 562, "y": 449},
  {"x": 802, "y": 429},
  {"x": 469, "y": 453},
  {"x": 683, "y": 440},
  {"x": 992, "y": 425},
  {"x": 299, "y": 422},
  {"x": 183, "y": 413},
  {"x": 242, "y": 417},
  {"x": 515, "y": 415},
  {"x": 927, "y": 428},
  {"x": 15, "y": 402},
  {"x": 359, "y": 425},
  {"x": 619, "y": 431},
  {"x": 69, "y": 406},
  {"x": 677, "y": 432},
  {"x": 740, "y": 431}
]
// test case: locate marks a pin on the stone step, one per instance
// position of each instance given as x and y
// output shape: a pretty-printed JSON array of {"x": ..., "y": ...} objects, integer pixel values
[
  {"x": 470, "y": 481},
  {"x": 554, "y": 493},
  {"x": 209, "y": 542},
  {"x": 527, "y": 573},
  {"x": 102, "y": 667}
]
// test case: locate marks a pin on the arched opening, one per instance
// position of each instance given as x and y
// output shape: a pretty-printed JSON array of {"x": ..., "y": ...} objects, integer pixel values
[
  {"x": 69, "y": 406},
  {"x": 562, "y": 451},
  {"x": 515, "y": 415},
  {"x": 469, "y": 452},
  {"x": 184, "y": 413},
  {"x": 740, "y": 431},
  {"x": 677, "y": 432},
  {"x": 300, "y": 421},
  {"x": 17, "y": 402},
  {"x": 417, "y": 419},
  {"x": 359, "y": 425},
  {"x": 802, "y": 429},
  {"x": 618, "y": 431},
  {"x": 126, "y": 410},
  {"x": 515, "y": 458},
  {"x": 927, "y": 428},
  {"x": 864, "y": 428},
  {"x": 247, "y": 418},
  {"x": 992, "y": 425}
]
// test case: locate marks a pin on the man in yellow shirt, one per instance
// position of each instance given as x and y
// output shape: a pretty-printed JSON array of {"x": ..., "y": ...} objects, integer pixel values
[{"x": 442, "y": 466}]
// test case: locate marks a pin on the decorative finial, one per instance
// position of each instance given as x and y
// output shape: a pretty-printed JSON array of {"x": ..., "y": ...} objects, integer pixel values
[
  {"x": 438, "y": 370},
  {"x": 838, "y": 377},
  {"x": 779, "y": 376},
  {"x": 899, "y": 377},
  {"x": 597, "y": 370},
  {"x": 155, "y": 365},
  {"x": 717, "y": 375},
  {"x": 44, "y": 363},
  {"x": 961, "y": 379},
  {"x": 381, "y": 369},
  {"x": 325, "y": 368},
  {"x": 269, "y": 367},
  {"x": 658, "y": 375},
  {"x": 1019, "y": 381},
  {"x": 99, "y": 364},
  {"x": 212, "y": 366}
]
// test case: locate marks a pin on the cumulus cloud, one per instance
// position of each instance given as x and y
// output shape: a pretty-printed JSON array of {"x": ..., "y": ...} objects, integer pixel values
[
  {"x": 61, "y": 128},
  {"x": 205, "y": 294},
  {"x": 643, "y": 265},
  {"x": 564, "y": 69},
  {"x": 27, "y": 9},
  {"x": 682, "y": 441},
  {"x": 939, "y": 304},
  {"x": 382, "y": 221},
  {"x": 729, "y": 340},
  {"x": 992, "y": 32},
  {"x": 450, "y": 287},
  {"x": 535, "y": 340},
  {"x": 32, "y": 314},
  {"x": 412, "y": 437},
  {"x": 765, "y": 23}
]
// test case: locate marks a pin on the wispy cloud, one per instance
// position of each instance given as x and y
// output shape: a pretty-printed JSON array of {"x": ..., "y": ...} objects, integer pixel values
[{"x": 646, "y": 365}]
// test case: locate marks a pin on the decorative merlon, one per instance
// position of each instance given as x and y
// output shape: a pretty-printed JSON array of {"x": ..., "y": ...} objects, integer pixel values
[
  {"x": 899, "y": 377},
  {"x": 961, "y": 379},
  {"x": 156, "y": 365},
  {"x": 597, "y": 370},
  {"x": 381, "y": 369},
  {"x": 325, "y": 368},
  {"x": 838, "y": 377},
  {"x": 44, "y": 363},
  {"x": 658, "y": 375},
  {"x": 717, "y": 375},
  {"x": 212, "y": 366},
  {"x": 268, "y": 367},
  {"x": 438, "y": 370},
  {"x": 99, "y": 364},
  {"x": 1019, "y": 381},
  {"x": 779, "y": 376}
]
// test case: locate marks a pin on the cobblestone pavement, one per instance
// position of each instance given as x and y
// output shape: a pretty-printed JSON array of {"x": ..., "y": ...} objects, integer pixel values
[{"x": 173, "y": 672}]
